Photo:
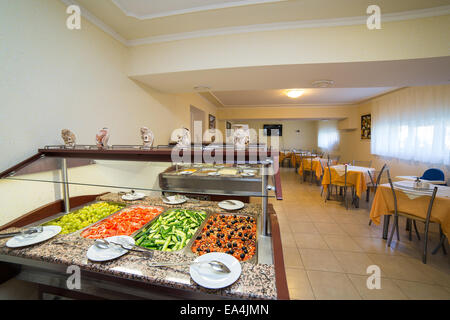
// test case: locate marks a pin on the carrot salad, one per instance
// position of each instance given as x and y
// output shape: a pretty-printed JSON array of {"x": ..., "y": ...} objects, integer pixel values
[
  {"x": 232, "y": 234},
  {"x": 124, "y": 222}
]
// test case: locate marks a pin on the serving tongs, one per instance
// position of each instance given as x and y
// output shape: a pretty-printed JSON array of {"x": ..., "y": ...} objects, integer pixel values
[{"x": 26, "y": 233}]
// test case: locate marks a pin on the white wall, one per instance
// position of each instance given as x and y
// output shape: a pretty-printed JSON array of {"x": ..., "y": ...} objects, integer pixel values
[{"x": 53, "y": 78}]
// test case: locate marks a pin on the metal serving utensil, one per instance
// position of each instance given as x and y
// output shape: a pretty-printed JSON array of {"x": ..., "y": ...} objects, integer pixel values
[
  {"x": 26, "y": 233},
  {"x": 105, "y": 244},
  {"x": 214, "y": 264}
]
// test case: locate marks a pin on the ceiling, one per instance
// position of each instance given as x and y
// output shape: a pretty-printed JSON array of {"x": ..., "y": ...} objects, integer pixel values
[
  {"x": 143, "y": 19},
  {"x": 316, "y": 96},
  {"x": 144, "y": 9}
]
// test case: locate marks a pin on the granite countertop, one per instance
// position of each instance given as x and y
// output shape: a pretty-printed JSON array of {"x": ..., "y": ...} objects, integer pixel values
[{"x": 257, "y": 281}]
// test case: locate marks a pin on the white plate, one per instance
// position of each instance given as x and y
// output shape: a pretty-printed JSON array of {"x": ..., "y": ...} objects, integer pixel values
[
  {"x": 95, "y": 253},
  {"x": 131, "y": 197},
  {"x": 21, "y": 241},
  {"x": 228, "y": 206},
  {"x": 214, "y": 173},
  {"x": 208, "y": 278},
  {"x": 186, "y": 172},
  {"x": 247, "y": 174},
  {"x": 175, "y": 200}
]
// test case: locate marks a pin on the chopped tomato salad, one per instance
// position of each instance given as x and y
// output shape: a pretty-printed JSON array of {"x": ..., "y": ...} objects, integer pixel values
[
  {"x": 232, "y": 234},
  {"x": 123, "y": 223}
]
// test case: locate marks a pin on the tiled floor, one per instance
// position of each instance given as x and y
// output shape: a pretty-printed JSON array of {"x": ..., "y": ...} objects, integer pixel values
[{"x": 327, "y": 250}]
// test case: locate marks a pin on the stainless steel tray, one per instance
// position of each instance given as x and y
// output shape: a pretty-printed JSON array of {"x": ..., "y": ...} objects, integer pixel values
[
  {"x": 127, "y": 207},
  {"x": 59, "y": 215},
  {"x": 253, "y": 259},
  {"x": 188, "y": 244}
]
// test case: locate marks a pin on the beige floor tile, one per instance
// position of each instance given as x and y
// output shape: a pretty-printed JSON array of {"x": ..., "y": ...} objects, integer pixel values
[
  {"x": 389, "y": 290},
  {"x": 329, "y": 228},
  {"x": 421, "y": 291},
  {"x": 353, "y": 262},
  {"x": 321, "y": 217},
  {"x": 358, "y": 230},
  {"x": 309, "y": 241},
  {"x": 297, "y": 280},
  {"x": 399, "y": 267},
  {"x": 301, "y": 294},
  {"x": 287, "y": 240},
  {"x": 303, "y": 227},
  {"x": 323, "y": 260},
  {"x": 341, "y": 242},
  {"x": 292, "y": 258},
  {"x": 332, "y": 286}
]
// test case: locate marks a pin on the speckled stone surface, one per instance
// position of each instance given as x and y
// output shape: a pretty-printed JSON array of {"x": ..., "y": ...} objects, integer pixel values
[{"x": 257, "y": 281}]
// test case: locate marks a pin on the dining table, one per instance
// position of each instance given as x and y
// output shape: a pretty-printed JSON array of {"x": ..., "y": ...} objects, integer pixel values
[
  {"x": 414, "y": 178},
  {"x": 357, "y": 176},
  {"x": 314, "y": 164},
  {"x": 410, "y": 202}
]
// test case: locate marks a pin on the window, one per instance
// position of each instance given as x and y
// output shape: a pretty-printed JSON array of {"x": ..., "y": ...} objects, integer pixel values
[
  {"x": 413, "y": 124},
  {"x": 328, "y": 137}
]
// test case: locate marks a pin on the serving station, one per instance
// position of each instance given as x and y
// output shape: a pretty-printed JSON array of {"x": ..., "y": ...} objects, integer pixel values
[{"x": 166, "y": 241}]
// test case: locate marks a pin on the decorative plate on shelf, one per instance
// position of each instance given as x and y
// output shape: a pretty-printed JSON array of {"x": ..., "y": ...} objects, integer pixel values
[
  {"x": 19, "y": 241},
  {"x": 206, "y": 277}
]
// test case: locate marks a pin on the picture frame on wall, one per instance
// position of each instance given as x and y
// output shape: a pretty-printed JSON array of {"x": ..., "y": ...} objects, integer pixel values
[
  {"x": 228, "y": 125},
  {"x": 366, "y": 127},
  {"x": 212, "y": 121}
]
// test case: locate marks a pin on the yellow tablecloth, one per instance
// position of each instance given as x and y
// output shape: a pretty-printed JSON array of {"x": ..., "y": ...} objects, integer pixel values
[
  {"x": 355, "y": 178},
  {"x": 283, "y": 156},
  {"x": 383, "y": 203}
]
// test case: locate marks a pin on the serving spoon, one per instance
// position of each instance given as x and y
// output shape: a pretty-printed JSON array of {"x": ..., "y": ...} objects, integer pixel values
[
  {"x": 214, "y": 264},
  {"x": 105, "y": 244},
  {"x": 25, "y": 233}
]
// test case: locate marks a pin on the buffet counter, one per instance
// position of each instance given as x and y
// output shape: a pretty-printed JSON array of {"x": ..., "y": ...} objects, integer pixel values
[{"x": 130, "y": 276}]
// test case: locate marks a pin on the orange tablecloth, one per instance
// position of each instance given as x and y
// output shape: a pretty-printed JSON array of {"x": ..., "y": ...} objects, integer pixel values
[
  {"x": 296, "y": 158},
  {"x": 316, "y": 167},
  {"x": 355, "y": 178},
  {"x": 383, "y": 203}
]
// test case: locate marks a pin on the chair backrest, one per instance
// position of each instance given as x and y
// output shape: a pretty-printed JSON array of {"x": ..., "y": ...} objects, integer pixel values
[
  {"x": 430, "y": 193},
  {"x": 360, "y": 163},
  {"x": 433, "y": 174}
]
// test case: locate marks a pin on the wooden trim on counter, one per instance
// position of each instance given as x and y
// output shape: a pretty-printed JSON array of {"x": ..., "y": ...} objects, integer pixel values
[
  {"x": 278, "y": 260},
  {"x": 20, "y": 165},
  {"x": 153, "y": 155},
  {"x": 48, "y": 210}
]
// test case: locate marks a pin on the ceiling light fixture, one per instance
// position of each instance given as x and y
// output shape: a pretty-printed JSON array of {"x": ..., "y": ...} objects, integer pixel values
[
  {"x": 295, "y": 93},
  {"x": 323, "y": 83}
]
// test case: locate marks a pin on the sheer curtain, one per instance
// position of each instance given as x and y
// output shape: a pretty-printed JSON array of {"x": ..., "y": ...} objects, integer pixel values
[
  {"x": 413, "y": 124},
  {"x": 328, "y": 135}
]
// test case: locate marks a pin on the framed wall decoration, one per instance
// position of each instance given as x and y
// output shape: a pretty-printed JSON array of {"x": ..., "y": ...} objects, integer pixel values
[
  {"x": 212, "y": 121},
  {"x": 228, "y": 125},
  {"x": 366, "y": 126}
]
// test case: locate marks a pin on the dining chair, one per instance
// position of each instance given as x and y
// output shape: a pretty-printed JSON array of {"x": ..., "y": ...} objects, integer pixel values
[
  {"x": 341, "y": 185},
  {"x": 433, "y": 174},
  {"x": 397, "y": 213},
  {"x": 361, "y": 163},
  {"x": 373, "y": 185}
]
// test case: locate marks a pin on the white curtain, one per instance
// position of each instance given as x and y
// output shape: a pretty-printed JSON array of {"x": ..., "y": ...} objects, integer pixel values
[
  {"x": 328, "y": 135},
  {"x": 413, "y": 124}
]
